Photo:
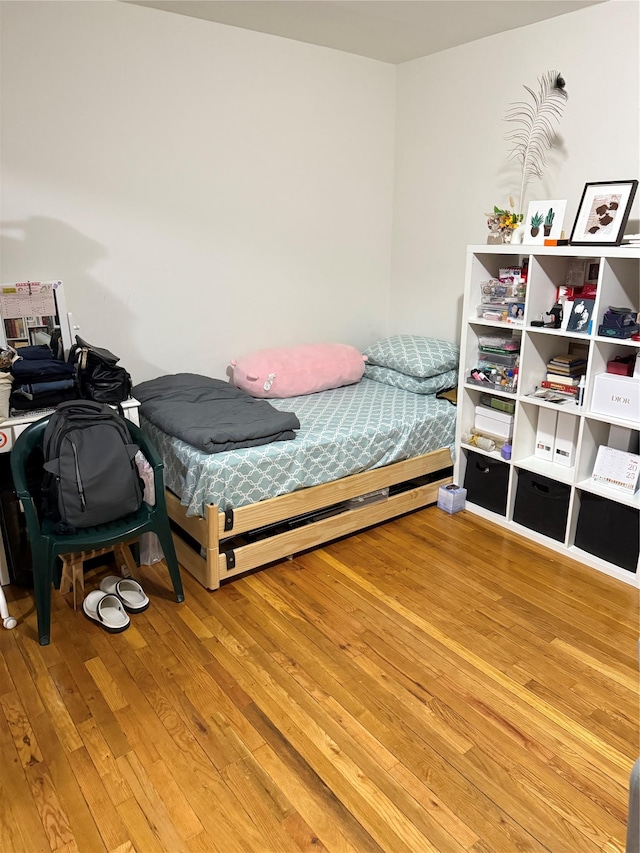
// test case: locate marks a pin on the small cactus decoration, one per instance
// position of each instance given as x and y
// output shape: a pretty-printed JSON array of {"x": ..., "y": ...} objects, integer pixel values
[
  {"x": 536, "y": 222},
  {"x": 548, "y": 222}
]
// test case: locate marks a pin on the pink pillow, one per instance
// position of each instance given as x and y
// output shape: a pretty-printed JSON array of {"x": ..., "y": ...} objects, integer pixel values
[{"x": 291, "y": 371}]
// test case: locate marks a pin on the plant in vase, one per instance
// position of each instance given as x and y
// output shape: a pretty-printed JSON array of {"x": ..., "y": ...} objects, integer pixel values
[
  {"x": 548, "y": 222},
  {"x": 536, "y": 222},
  {"x": 506, "y": 222}
]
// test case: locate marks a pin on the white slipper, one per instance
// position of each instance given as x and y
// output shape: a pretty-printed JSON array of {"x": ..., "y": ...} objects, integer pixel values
[
  {"x": 129, "y": 592},
  {"x": 106, "y": 610}
]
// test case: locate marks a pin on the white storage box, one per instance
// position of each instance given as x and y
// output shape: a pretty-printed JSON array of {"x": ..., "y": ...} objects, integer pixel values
[
  {"x": 564, "y": 446},
  {"x": 616, "y": 396},
  {"x": 494, "y": 421},
  {"x": 452, "y": 498},
  {"x": 546, "y": 433}
]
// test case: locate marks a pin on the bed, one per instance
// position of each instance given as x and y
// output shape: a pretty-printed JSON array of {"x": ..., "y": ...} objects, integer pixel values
[{"x": 364, "y": 453}]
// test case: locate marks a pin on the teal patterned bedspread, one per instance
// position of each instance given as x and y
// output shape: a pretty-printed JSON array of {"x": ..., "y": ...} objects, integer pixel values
[{"x": 343, "y": 431}]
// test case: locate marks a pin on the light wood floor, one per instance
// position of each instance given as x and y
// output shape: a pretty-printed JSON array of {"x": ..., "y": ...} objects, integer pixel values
[{"x": 434, "y": 684}]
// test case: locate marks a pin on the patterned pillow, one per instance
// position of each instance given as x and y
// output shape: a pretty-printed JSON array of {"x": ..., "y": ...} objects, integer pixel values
[
  {"x": 430, "y": 385},
  {"x": 414, "y": 355}
]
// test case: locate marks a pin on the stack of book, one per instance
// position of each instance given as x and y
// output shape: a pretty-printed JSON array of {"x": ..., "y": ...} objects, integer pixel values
[{"x": 564, "y": 372}]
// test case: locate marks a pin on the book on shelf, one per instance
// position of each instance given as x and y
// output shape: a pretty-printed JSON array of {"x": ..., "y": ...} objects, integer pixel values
[
  {"x": 568, "y": 358},
  {"x": 568, "y": 361},
  {"x": 564, "y": 378},
  {"x": 560, "y": 386},
  {"x": 578, "y": 370}
]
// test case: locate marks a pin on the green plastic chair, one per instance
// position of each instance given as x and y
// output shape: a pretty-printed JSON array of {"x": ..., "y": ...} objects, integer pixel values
[{"x": 47, "y": 545}]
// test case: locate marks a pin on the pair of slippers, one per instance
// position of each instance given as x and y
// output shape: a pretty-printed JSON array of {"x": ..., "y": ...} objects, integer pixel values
[{"x": 110, "y": 605}]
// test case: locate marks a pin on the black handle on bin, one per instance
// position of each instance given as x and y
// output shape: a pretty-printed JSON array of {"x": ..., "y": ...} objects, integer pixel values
[{"x": 540, "y": 487}]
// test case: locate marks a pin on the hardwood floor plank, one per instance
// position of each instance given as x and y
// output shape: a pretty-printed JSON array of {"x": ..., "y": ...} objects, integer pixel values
[
  {"x": 20, "y": 826},
  {"x": 104, "y": 761},
  {"x": 17, "y": 663},
  {"x": 24, "y": 739},
  {"x": 153, "y": 808},
  {"x": 106, "y": 684},
  {"x": 68, "y": 793},
  {"x": 53, "y": 817},
  {"x": 100, "y": 712},
  {"x": 246, "y": 783},
  {"x": 113, "y": 832},
  {"x": 317, "y": 804},
  {"x": 67, "y": 688}
]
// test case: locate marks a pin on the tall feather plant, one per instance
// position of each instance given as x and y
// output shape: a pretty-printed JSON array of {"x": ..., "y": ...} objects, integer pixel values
[{"x": 535, "y": 133}]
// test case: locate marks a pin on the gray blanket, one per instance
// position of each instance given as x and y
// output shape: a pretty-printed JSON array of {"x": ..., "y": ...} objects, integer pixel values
[{"x": 211, "y": 414}]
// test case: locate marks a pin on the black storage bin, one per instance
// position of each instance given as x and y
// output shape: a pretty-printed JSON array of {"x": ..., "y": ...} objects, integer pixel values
[
  {"x": 486, "y": 481},
  {"x": 609, "y": 530},
  {"x": 542, "y": 505}
]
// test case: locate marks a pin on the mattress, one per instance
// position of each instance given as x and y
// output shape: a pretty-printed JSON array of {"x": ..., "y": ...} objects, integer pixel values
[{"x": 343, "y": 431}]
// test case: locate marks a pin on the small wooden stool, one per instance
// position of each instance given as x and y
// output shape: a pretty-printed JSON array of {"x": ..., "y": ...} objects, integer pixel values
[{"x": 73, "y": 567}]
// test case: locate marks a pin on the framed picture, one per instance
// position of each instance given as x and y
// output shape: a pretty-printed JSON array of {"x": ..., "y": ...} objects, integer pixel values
[
  {"x": 581, "y": 316},
  {"x": 544, "y": 221},
  {"x": 603, "y": 213}
]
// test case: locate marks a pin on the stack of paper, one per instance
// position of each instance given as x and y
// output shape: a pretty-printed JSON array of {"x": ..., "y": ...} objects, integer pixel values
[{"x": 631, "y": 240}]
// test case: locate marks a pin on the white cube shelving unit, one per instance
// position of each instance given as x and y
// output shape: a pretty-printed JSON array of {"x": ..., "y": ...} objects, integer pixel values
[{"x": 618, "y": 285}]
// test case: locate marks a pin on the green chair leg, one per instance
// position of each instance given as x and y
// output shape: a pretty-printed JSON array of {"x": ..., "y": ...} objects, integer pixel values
[
  {"x": 166, "y": 542},
  {"x": 43, "y": 575}
]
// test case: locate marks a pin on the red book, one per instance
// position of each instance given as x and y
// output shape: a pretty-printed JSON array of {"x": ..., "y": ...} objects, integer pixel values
[{"x": 559, "y": 386}]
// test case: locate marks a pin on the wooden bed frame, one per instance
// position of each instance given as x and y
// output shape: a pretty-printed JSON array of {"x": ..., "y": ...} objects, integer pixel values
[{"x": 225, "y": 544}]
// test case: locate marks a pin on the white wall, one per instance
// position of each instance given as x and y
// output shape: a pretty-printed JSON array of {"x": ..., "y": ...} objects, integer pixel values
[
  {"x": 204, "y": 190},
  {"x": 201, "y": 190},
  {"x": 452, "y": 159}
]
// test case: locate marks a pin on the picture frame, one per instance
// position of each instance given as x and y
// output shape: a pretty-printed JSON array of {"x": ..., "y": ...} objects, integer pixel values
[
  {"x": 544, "y": 221},
  {"x": 581, "y": 316},
  {"x": 603, "y": 213}
]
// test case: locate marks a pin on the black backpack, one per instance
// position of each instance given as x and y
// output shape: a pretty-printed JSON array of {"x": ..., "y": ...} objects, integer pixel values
[
  {"x": 90, "y": 473},
  {"x": 98, "y": 374}
]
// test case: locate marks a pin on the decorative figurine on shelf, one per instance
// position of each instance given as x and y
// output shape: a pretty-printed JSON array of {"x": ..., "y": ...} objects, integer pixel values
[{"x": 556, "y": 315}]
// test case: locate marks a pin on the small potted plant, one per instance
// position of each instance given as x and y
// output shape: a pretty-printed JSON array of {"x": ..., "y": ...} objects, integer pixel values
[
  {"x": 548, "y": 222},
  {"x": 536, "y": 222}
]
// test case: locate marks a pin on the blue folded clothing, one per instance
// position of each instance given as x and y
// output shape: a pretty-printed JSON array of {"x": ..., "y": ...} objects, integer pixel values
[
  {"x": 26, "y": 371},
  {"x": 37, "y": 389},
  {"x": 38, "y": 352}
]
